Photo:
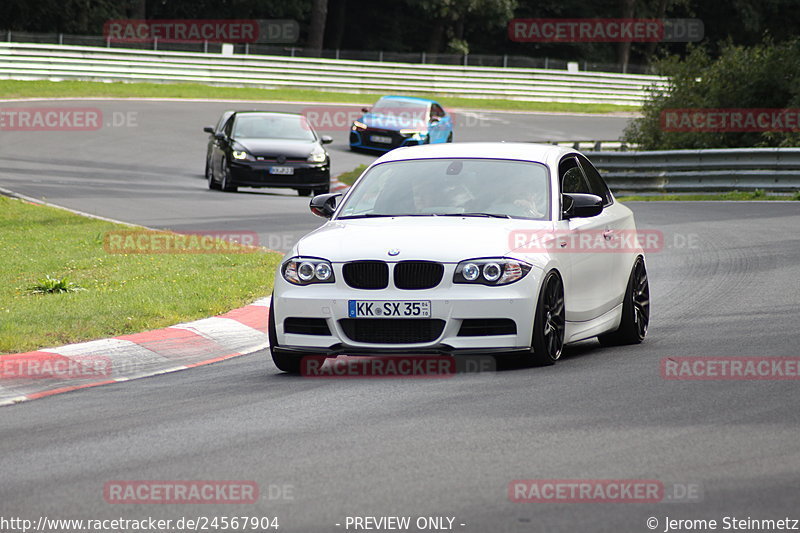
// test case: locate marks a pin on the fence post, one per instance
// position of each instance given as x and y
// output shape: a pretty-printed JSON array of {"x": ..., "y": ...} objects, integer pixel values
[
  {"x": 546, "y": 62},
  {"x": 246, "y": 49},
  {"x": 155, "y": 43},
  {"x": 380, "y": 56},
  {"x": 505, "y": 60},
  {"x": 108, "y": 42},
  {"x": 9, "y": 35},
  {"x": 337, "y": 53},
  {"x": 465, "y": 59},
  {"x": 60, "y": 39},
  {"x": 423, "y": 57},
  {"x": 205, "y": 46}
]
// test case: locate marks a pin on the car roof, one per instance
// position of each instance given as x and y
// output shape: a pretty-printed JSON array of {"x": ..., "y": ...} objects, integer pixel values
[
  {"x": 539, "y": 153},
  {"x": 409, "y": 98},
  {"x": 279, "y": 113}
]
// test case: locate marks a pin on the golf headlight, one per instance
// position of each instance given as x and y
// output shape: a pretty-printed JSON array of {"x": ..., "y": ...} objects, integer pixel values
[
  {"x": 490, "y": 271},
  {"x": 359, "y": 125},
  {"x": 240, "y": 154},
  {"x": 317, "y": 157},
  {"x": 307, "y": 270}
]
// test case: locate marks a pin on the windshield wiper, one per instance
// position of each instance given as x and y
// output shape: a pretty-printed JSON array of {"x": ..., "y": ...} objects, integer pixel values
[
  {"x": 488, "y": 215},
  {"x": 365, "y": 215},
  {"x": 379, "y": 215}
]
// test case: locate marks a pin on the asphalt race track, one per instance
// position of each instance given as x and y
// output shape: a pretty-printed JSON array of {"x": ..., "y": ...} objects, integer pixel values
[
  {"x": 148, "y": 169},
  {"x": 724, "y": 285}
]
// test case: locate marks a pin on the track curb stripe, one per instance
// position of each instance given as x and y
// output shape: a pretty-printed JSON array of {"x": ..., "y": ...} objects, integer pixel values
[{"x": 51, "y": 371}]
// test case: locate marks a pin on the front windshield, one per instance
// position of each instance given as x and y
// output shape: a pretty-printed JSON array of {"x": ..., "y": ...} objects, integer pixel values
[
  {"x": 272, "y": 127},
  {"x": 442, "y": 187},
  {"x": 407, "y": 113}
]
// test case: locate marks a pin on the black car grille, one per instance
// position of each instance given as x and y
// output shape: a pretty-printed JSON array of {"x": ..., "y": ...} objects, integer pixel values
[
  {"x": 481, "y": 327},
  {"x": 392, "y": 330},
  {"x": 306, "y": 326},
  {"x": 417, "y": 274},
  {"x": 366, "y": 274}
]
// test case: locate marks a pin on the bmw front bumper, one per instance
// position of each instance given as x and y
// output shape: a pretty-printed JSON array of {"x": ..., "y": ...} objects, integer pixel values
[{"x": 470, "y": 319}]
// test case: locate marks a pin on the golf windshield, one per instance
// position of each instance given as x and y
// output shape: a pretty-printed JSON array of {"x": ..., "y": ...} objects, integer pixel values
[
  {"x": 257, "y": 126},
  {"x": 442, "y": 187}
]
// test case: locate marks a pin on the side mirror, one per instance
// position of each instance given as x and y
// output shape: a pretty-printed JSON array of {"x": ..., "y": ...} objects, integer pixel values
[
  {"x": 324, "y": 205},
  {"x": 365, "y": 110},
  {"x": 209, "y": 129},
  {"x": 326, "y": 139},
  {"x": 577, "y": 205},
  {"x": 219, "y": 136}
]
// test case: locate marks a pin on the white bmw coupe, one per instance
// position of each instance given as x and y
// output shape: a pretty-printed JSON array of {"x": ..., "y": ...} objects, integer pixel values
[{"x": 509, "y": 249}]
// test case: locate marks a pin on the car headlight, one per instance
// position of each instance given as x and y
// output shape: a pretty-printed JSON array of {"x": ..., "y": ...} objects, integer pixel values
[
  {"x": 317, "y": 157},
  {"x": 490, "y": 271},
  {"x": 240, "y": 154},
  {"x": 409, "y": 133},
  {"x": 359, "y": 125},
  {"x": 307, "y": 270}
]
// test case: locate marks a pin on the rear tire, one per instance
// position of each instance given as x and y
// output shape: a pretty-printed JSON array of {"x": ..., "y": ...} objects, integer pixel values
[
  {"x": 323, "y": 190},
  {"x": 285, "y": 363},
  {"x": 635, "y": 310},
  {"x": 304, "y": 192}
]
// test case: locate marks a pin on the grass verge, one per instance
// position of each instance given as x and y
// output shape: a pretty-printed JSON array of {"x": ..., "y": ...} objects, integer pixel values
[
  {"x": 122, "y": 293},
  {"x": 733, "y": 195},
  {"x": 66, "y": 89},
  {"x": 351, "y": 176}
]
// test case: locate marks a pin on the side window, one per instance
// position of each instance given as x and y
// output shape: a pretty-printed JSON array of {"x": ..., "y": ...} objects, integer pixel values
[
  {"x": 596, "y": 184},
  {"x": 229, "y": 126},
  {"x": 571, "y": 177},
  {"x": 437, "y": 111}
]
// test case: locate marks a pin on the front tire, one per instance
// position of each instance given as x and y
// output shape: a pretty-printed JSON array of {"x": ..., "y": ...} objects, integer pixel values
[
  {"x": 547, "y": 342},
  {"x": 286, "y": 363},
  {"x": 549, "y": 324},
  {"x": 635, "y": 310},
  {"x": 210, "y": 177},
  {"x": 226, "y": 179}
]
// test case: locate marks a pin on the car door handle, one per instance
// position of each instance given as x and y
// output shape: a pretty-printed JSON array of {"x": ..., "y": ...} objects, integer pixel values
[{"x": 608, "y": 234}]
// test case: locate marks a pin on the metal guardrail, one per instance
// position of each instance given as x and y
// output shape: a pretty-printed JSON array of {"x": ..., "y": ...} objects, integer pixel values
[
  {"x": 46, "y": 61},
  {"x": 743, "y": 169}
]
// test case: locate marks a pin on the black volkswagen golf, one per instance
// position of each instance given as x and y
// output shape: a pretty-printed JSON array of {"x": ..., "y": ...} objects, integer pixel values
[{"x": 265, "y": 149}]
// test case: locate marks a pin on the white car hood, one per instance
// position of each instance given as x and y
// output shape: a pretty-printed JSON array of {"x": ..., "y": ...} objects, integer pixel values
[{"x": 443, "y": 239}]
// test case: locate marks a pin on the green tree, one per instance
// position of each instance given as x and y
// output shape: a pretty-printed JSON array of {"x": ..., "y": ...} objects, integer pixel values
[{"x": 766, "y": 75}]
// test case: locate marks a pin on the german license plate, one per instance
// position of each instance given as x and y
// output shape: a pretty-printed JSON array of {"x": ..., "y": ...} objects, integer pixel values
[
  {"x": 283, "y": 171},
  {"x": 388, "y": 309},
  {"x": 380, "y": 139}
]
